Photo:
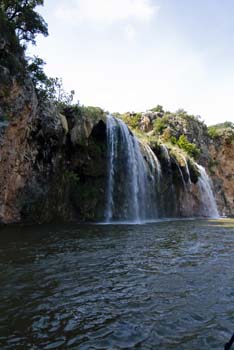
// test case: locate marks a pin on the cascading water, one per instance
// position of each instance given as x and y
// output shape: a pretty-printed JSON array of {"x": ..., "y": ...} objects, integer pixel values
[
  {"x": 140, "y": 189},
  {"x": 187, "y": 169},
  {"x": 131, "y": 176},
  {"x": 166, "y": 154},
  {"x": 168, "y": 199},
  {"x": 208, "y": 207},
  {"x": 112, "y": 139},
  {"x": 154, "y": 165},
  {"x": 181, "y": 174}
]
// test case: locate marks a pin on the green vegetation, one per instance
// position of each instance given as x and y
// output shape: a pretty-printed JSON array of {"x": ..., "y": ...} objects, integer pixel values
[
  {"x": 158, "y": 108},
  {"x": 188, "y": 147},
  {"x": 48, "y": 88},
  {"x": 215, "y": 131},
  {"x": 168, "y": 127},
  {"x": 160, "y": 124},
  {"x": 132, "y": 119},
  {"x": 71, "y": 176},
  {"x": 92, "y": 112},
  {"x": 224, "y": 125},
  {"x": 166, "y": 136},
  {"x": 80, "y": 111},
  {"x": 20, "y": 24},
  {"x": 23, "y": 19},
  {"x": 173, "y": 140},
  {"x": 183, "y": 114},
  {"x": 12, "y": 56}
]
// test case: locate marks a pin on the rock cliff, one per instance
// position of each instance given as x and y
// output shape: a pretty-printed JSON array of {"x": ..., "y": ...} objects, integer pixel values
[
  {"x": 53, "y": 165},
  {"x": 53, "y": 161},
  {"x": 221, "y": 167}
]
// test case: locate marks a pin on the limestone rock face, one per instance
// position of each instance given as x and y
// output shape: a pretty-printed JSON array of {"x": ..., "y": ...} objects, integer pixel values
[
  {"x": 222, "y": 171},
  {"x": 52, "y": 166},
  {"x": 15, "y": 153},
  {"x": 146, "y": 123}
]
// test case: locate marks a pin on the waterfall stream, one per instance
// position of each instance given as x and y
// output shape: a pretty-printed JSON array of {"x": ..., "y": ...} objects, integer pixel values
[
  {"x": 209, "y": 207},
  {"x": 187, "y": 169},
  {"x": 133, "y": 168},
  {"x": 139, "y": 190}
]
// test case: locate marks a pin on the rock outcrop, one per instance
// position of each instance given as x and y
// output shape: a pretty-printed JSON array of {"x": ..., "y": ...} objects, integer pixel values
[
  {"x": 16, "y": 155},
  {"x": 221, "y": 167},
  {"x": 52, "y": 166},
  {"x": 216, "y": 153}
]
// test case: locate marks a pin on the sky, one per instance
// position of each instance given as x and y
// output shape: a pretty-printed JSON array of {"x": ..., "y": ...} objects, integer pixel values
[{"x": 131, "y": 55}]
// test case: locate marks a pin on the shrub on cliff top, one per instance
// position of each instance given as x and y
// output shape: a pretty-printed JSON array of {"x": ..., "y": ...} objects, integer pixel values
[
  {"x": 160, "y": 124},
  {"x": 224, "y": 125},
  {"x": 78, "y": 111},
  {"x": 46, "y": 87},
  {"x": 132, "y": 120},
  {"x": 92, "y": 112},
  {"x": 188, "y": 147},
  {"x": 184, "y": 115},
  {"x": 213, "y": 132},
  {"x": 158, "y": 108},
  {"x": 217, "y": 130}
]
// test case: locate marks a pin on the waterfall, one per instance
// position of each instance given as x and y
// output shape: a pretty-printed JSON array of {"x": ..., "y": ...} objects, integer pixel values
[
  {"x": 132, "y": 170},
  {"x": 181, "y": 174},
  {"x": 208, "y": 207},
  {"x": 166, "y": 154},
  {"x": 112, "y": 158},
  {"x": 139, "y": 188},
  {"x": 154, "y": 164},
  {"x": 168, "y": 200},
  {"x": 186, "y": 168}
]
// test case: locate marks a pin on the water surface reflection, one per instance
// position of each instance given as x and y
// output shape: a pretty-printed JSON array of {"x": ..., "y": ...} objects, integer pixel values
[{"x": 166, "y": 285}]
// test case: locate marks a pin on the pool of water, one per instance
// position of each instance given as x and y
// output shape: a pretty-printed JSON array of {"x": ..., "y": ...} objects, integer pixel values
[{"x": 165, "y": 285}]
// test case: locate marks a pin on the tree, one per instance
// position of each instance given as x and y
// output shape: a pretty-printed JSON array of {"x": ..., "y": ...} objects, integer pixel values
[
  {"x": 23, "y": 18},
  {"x": 46, "y": 87},
  {"x": 36, "y": 71},
  {"x": 158, "y": 108},
  {"x": 181, "y": 111},
  {"x": 160, "y": 124}
]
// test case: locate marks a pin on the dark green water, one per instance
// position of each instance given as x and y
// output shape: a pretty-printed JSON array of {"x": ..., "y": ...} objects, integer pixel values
[{"x": 162, "y": 286}]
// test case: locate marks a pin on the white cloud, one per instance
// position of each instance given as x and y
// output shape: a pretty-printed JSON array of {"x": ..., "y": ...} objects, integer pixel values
[
  {"x": 130, "y": 32},
  {"x": 107, "y": 11}
]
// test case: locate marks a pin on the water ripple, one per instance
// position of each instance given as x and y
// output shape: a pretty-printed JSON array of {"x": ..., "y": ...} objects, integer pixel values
[{"x": 167, "y": 285}]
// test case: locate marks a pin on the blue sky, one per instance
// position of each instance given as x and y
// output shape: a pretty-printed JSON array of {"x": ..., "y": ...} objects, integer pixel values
[{"x": 130, "y": 55}]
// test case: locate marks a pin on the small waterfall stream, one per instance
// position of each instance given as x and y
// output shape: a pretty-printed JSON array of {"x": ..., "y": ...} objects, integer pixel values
[
  {"x": 112, "y": 139},
  {"x": 187, "y": 169},
  {"x": 136, "y": 182},
  {"x": 209, "y": 207}
]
